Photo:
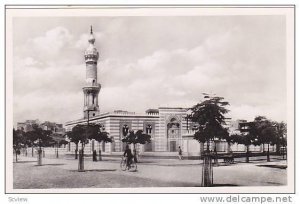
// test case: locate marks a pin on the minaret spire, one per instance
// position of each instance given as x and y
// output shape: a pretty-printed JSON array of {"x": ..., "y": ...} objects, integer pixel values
[
  {"x": 92, "y": 87},
  {"x": 91, "y": 38}
]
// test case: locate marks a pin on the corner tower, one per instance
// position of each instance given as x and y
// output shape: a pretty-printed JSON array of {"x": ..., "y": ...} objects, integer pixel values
[{"x": 91, "y": 88}]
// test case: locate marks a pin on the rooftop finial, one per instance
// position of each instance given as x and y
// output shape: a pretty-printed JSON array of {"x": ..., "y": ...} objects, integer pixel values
[{"x": 91, "y": 38}]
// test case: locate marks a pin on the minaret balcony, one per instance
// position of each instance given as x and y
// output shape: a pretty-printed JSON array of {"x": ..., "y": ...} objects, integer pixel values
[
  {"x": 91, "y": 88},
  {"x": 92, "y": 85},
  {"x": 91, "y": 58},
  {"x": 91, "y": 108}
]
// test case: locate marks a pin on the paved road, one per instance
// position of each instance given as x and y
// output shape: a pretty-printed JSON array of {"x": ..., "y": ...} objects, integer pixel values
[{"x": 62, "y": 173}]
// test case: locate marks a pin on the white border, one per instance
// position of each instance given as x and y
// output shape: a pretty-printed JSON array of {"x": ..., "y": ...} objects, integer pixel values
[{"x": 161, "y": 11}]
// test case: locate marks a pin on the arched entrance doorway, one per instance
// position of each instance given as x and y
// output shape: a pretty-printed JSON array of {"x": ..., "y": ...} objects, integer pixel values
[{"x": 173, "y": 134}]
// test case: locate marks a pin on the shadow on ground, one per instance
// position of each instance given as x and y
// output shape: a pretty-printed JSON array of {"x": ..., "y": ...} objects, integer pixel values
[
  {"x": 95, "y": 170},
  {"x": 50, "y": 165},
  {"x": 219, "y": 185},
  {"x": 24, "y": 162},
  {"x": 273, "y": 166}
]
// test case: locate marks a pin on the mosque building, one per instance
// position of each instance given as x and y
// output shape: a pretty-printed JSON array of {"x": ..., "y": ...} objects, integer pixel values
[{"x": 168, "y": 126}]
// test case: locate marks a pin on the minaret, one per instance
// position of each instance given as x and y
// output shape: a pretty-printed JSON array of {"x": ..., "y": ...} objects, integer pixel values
[{"x": 91, "y": 88}]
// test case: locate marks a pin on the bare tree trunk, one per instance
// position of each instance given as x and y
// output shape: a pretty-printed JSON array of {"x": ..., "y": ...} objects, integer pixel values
[
  {"x": 268, "y": 153},
  {"x": 134, "y": 153},
  {"x": 207, "y": 146},
  {"x": 228, "y": 147},
  {"x": 76, "y": 151},
  {"x": 57, "y": 151},
  {"x": 207, "y": 167},
  {"x": 39, "y": 156},
  {"x": 278, "y": 148},
  {"x": 100, "y": 155},
  {"x": 207, "y": 170},
  {"x": 81, "y": 159},
  {"x": 247, "y": 153},
  {"x": 283, "y": 151},
  {"x": 16, "y": 155}
]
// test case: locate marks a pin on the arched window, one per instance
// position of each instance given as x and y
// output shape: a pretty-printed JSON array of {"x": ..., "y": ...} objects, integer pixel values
[
  {"x": 125, "y": 130},
  {"x": 148, "y": 129}
]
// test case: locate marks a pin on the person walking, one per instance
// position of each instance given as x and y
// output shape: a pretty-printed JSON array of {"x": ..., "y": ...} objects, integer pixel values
[{"x": 179, "y": 153}]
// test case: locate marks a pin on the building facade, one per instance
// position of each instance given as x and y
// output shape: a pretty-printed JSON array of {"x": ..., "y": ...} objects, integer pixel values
[{"x": 168, "y": 126}]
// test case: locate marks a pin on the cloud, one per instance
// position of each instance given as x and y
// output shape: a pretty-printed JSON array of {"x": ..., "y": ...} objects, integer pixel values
[
  {"x": 60, "y": 107},
  {"x": 54, "y": 46},
  {"x": 146, "y": 64},
  {"x": 52, "y": 42},
  {"x": 178, "y": 77}
]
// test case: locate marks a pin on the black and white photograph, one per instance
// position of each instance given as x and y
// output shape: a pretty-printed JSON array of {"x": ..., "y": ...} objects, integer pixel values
[{"x": 150, "y": 99}]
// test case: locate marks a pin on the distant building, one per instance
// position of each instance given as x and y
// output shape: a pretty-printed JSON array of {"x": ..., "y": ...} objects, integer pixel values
[
  {"x": 56, "y": 128},
  {"x": 27, "y": 125}
]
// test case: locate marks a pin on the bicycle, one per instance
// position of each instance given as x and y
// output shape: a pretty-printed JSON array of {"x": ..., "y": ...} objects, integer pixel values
[{"x": 132, "y": 165}]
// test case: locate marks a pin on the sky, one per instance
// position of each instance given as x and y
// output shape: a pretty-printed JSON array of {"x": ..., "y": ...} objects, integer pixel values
[{"x": 150, "y": 62}]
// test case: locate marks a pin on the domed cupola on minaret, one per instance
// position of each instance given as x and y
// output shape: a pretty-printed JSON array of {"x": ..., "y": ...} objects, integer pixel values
[{"x": 91, "y": 88}]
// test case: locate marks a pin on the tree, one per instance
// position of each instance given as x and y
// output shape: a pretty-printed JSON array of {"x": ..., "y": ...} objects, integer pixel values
[
  {"x": 30, "y": 140},
  {"x": 39, "y": 138},
  {"x": 96, "y": 132},
  {"x": 247, "y": 137},
  {"x": 18, "y": 141},
  {"x": 82, "y": 134},
  {"x": 281, "y": 133},
  {"x": 62, "y": 142},
  {"x": 231, "y": 139},
  {"x": 209, "y": 115},
  {"x": 76, "y": 135},
  {"x": 59, "y": 140},
  {"x": 244, "y": 139},
  {"x": 266, "y": 132},
  {"x": 137, "y": 137}
]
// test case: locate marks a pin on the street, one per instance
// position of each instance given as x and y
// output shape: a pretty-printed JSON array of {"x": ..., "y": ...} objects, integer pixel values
[{"x": 62, "y": 173}]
